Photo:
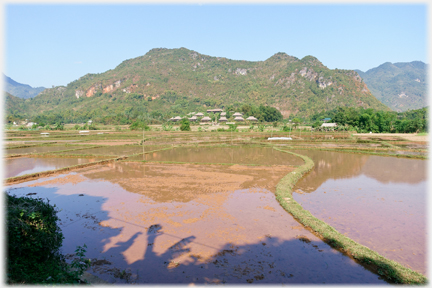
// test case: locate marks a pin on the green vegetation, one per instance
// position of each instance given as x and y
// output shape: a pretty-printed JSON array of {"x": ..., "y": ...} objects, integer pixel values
[
  {"x": 139, "y": 125},
  {"x": 185, "y": 125},
  {"x": 400, "y": 86},
  {"x": 388, "y": 269},
  {"x": 33, "y": 243},
  {"x": 376, "y": 121},
  {"x": 177, "y": 85}
]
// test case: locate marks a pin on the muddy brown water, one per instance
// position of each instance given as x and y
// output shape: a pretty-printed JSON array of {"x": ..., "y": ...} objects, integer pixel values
[
  {"x": 187, "y": 223},
  {"x": 39, "y": 149},
  {"x": 232, "y": 154},
  {"x": 377, "y": 201},
  {"x": 116, "y": 150},
  {"x": 28, "y": 165}
]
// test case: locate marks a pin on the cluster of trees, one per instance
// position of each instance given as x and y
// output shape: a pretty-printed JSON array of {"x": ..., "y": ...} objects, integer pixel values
[
  {"x": 262, "y": 113},
  {"x": 370, "y": 120}
]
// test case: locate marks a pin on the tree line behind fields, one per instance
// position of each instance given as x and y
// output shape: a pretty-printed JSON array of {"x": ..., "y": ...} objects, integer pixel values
[{"x": 376, "y": 121}]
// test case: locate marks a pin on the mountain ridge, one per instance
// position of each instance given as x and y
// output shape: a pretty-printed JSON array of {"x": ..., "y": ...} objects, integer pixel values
[
  {"x": 20, "y": 90},
  {"x": 401, "y": 86},
  {"x": 174, "y": 81}
]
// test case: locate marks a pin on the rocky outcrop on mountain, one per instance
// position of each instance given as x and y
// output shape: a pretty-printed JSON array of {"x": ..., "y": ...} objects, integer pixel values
[{"x": 181, "y": 79}]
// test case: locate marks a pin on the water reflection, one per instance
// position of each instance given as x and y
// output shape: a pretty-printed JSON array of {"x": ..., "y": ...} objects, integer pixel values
[
  {"x": 28, "y": 165},
  {"x": 183, "y": 182},
  {"x": 234, "y": 154},
  {"x": 242, "y": 236},
  {"x": 338, "y": 165},
  {"x": 378, "y": 201}
]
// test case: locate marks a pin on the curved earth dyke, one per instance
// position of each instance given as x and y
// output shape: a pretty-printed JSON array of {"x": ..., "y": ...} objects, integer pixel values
[{"x": 392, "y": 271}]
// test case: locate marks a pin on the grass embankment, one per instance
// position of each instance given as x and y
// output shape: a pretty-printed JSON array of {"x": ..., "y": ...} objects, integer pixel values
[
  {"x": 361, "y": 151},
  {"x": 390, "y": 270}
]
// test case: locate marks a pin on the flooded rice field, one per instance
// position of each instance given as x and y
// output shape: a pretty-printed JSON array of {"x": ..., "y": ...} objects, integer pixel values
[
  {"x": 377, "y": 201},
  {"x": 231, "y": 154},
  {"x": 28, "y": 165},
  {"x": 116, "y": 150},
  {"x": 188, "y": 223},
  {"x": 39, "y": 149}
]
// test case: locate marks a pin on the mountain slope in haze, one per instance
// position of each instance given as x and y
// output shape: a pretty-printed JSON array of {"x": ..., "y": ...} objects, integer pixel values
[
  {"x": 168, "y": 82},
  {"x": 20, "y": 90},
  {"x": 400, "y": 86},
  {"x": 12, "y": 104}
]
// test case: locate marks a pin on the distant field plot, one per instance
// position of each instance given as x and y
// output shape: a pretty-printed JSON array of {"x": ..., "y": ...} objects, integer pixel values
[
  {"x": 115, "y": 150},
  {"x": 229, "y": 154},
  {"x": 39, "y": 149}
]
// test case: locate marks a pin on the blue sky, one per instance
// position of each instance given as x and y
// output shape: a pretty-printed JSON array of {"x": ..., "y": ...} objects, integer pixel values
[{"x": 50, "y": 44}]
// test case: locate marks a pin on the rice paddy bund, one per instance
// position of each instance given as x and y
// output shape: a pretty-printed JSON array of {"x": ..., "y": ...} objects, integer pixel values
[{"x": 219, "y": 207}]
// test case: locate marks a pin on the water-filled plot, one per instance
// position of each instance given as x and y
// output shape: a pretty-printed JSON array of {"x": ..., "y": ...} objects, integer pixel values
[
  {"x": 123, "y": 150},
  {"x": 28, "y": 165},
  {"x": 189, "y": 223},
  {"x": 223, "y": 155},
  {"x": 40, "y": 149},
  {"x": 377, "y": 201}
]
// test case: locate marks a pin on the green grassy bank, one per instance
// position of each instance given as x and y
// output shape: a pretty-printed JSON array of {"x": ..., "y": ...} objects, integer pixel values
[{"x": 390, "y": 270}]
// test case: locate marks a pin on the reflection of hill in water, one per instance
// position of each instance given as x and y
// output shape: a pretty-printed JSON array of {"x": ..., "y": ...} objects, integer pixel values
[
  {"x": 239, "y": 155},
  {"x": 329, "y": 165},
  {"x": 184, "y": 182},
  {"x": 398, "y": 170},
  {"x": 337, "y": 165}
]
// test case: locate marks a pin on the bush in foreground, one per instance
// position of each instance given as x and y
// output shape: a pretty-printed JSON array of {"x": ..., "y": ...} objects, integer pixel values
[{"x": 33, "y": 244}]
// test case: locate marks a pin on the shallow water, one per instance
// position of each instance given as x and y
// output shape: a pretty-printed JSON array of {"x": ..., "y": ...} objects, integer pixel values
[
  {"x": 39, "y": 149},
  {"x": 169, "y": 223},
  {"x": 234, "y": 154},
  {"x": 28, "y": 165},
  {"x": 377, "y": 201},
  {"x": 115, "y": 150}
]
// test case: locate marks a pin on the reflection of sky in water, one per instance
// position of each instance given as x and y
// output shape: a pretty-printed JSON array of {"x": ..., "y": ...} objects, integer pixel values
[
  {"x": 21, "y": 166},
  {"x": 378, "y": 201}
]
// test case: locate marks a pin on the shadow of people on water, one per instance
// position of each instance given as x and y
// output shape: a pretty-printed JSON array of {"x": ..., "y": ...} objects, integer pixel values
[{"x": 191, "y": 260}]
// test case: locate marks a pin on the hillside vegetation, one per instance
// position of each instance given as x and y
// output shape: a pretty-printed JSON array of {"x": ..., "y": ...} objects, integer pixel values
[
  {"x": 400, "y": 86},
  {"x": 169, "y": 82}
]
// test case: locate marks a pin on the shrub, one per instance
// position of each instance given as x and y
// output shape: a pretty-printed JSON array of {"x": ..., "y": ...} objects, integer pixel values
[
  {"x": 139, "y": 125},
  {"x": 33, "y": 244},
  {"x": 232, "y": 127},
  {"x": 185, "y": 125},
  {"x": 285, "y": 128},
  {"x": 167, "y": 127}
]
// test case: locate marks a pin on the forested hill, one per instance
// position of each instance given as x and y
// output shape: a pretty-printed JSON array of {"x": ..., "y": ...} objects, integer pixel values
[
  {"x": 169, "y": 82},
  {"x": 400, "y": 86},
  {"x": 20, "y": 90}
]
